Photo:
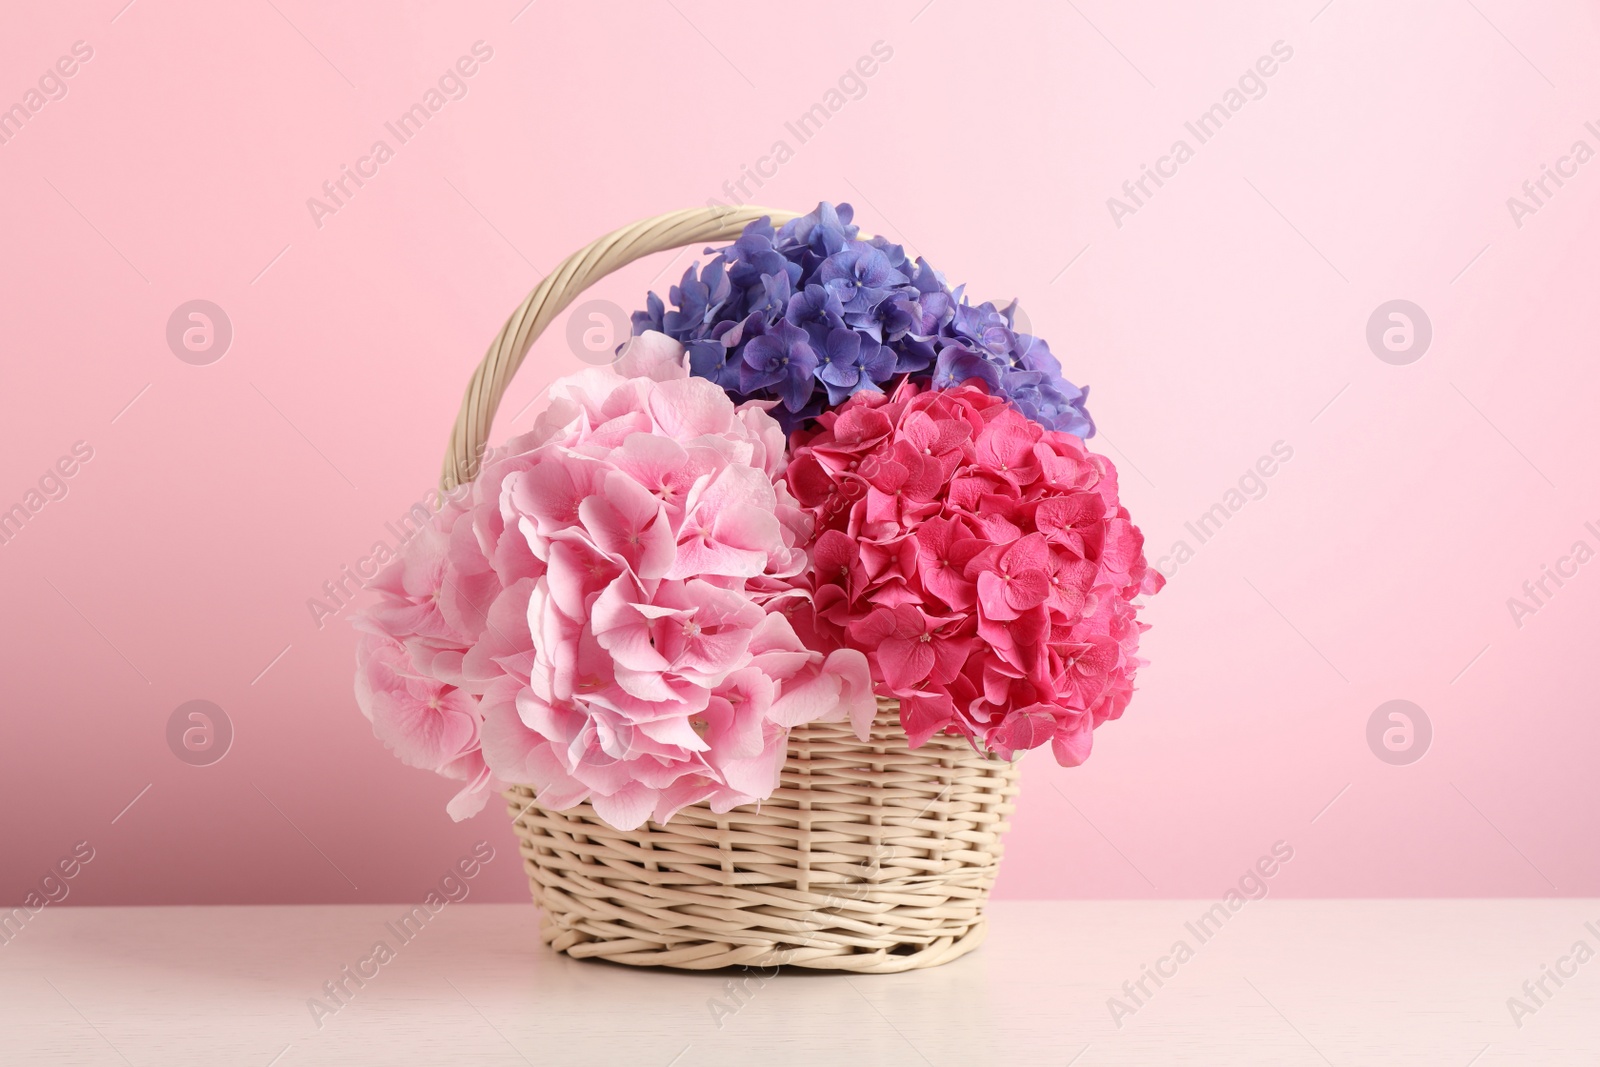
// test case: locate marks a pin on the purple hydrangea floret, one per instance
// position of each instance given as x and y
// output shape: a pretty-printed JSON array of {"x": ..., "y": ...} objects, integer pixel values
[{"x": 809, "y": 314}]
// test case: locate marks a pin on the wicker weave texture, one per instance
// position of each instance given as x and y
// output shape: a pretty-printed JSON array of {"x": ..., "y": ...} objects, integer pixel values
[{"x": 870, "y": 857}]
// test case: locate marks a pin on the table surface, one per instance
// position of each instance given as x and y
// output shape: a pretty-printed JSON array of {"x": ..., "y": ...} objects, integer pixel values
[{"x": 1281, "y": 982}]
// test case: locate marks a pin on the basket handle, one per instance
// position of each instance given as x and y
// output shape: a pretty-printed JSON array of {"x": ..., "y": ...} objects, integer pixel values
[{"x": 550, "y": 297}]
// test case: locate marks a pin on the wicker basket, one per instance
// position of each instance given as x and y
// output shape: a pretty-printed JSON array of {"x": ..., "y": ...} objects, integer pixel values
[{"x": 869, "y": 857}]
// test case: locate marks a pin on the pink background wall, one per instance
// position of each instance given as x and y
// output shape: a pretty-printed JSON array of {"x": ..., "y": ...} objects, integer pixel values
[{"x": 1225, "y": 314}]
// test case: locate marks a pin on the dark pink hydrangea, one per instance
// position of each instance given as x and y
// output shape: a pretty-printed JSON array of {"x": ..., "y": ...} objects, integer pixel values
[{"x": 983, "y": 563}]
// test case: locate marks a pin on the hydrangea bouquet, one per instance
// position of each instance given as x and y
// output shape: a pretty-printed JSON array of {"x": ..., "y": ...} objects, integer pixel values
[{"x": 821, "y": 478}]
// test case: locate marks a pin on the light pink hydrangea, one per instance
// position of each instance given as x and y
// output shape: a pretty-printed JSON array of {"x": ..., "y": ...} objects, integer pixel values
[{"x": 601, "y": 617}]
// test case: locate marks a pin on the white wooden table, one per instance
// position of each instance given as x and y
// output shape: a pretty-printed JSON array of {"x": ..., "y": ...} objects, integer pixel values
[{"x": 1282, "y": 982}]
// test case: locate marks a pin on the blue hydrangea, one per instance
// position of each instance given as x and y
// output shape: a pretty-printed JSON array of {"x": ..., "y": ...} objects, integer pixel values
[{"x": 808, "y": 314}]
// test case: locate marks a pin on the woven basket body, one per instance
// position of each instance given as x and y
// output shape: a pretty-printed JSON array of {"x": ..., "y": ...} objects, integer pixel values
[{"x": 869, "y": 857}]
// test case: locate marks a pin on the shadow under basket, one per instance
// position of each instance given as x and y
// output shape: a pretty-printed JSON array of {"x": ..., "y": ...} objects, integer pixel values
[{"x": 870, "y": 857}]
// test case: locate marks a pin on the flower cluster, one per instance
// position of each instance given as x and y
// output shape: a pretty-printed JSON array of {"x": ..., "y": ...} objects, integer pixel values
[
  {"x": 809, "y": 315},
  {"x": 982, "y": 562},
  {"x": 601, "y": 616}
]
